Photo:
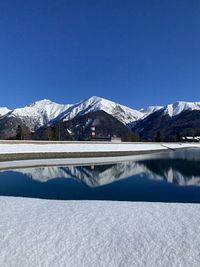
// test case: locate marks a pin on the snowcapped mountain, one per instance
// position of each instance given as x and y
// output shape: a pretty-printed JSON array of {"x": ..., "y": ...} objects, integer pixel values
[
  {"x": 4, "y": 111},
  {"x": 171, "y": 122},
  {"x": 180, "y": 106},
  {"x": 42, "y": 112},
  {"x": 39, "y": 113},
  {"x": 151, "y": 109},
  {"x": 122, "y": 113},
  {"x": 178, "y": 117}
]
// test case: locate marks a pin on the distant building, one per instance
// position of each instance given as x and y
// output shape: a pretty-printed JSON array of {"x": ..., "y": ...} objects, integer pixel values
[
  {"x": 106, "y": 139},
  {"x": 115, "y": 139},
  {"x": 192, "y": 139},
  {"x": 95, "y": 137}
]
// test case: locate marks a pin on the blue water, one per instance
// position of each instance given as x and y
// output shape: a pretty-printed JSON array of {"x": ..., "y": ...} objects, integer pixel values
[{"x": 164, "y": 177}]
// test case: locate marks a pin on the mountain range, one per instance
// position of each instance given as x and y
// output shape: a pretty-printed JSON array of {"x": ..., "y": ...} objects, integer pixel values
[{"x": 48, "y": 120}]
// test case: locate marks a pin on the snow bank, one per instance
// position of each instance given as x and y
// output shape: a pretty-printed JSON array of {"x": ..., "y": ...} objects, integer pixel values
[
  {"x": 75, "y": 147},
  {"x": 90, "y": 147},
  {"x": 91, "y": 233}
]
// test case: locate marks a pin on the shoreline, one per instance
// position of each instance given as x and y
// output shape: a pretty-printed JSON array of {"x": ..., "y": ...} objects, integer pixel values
[
  {"x": 22, "y": 151},
  {"x": 83, "y": 161},
  {"x": 74, "y": 155}
]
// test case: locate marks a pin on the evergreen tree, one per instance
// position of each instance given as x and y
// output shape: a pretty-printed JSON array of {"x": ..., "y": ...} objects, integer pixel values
[
  {"x": 158, "y": 136},
  {"x": 131, "y": 137},
  {"x": 19, "y": 133},
  {"x": 178, "y": 137},
  {"x": 53, "y": 133}
]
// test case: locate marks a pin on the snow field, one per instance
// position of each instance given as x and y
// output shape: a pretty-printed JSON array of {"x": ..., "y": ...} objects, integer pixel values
[{"x": 90, "y": 233}]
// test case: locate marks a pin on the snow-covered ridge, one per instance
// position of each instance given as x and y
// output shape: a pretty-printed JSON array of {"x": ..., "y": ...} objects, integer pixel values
[
  {"x": 122, "y": 113},
  {"x": 45, "y": 111},
  {"x": 180, "y": 106},
  {"x": 151, "y": 109},
  {"x": 39, "y": 113},
  {"x": 4, "y": 111}
]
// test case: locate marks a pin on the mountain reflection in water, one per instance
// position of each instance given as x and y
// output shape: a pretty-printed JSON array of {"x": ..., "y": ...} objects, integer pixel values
[{"x": 180, "y": 168}]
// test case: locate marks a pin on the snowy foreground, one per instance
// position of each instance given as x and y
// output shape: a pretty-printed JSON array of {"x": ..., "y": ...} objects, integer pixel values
[
  {"x": 37, "y": 232},
  {"x": 79, "y": 147}
]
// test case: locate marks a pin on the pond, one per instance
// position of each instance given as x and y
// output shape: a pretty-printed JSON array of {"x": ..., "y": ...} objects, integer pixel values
[{"x": 163, "y": 177}]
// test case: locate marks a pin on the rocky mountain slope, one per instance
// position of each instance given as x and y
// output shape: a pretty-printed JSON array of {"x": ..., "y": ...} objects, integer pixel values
[
  {"x": 170, "y": 122},
  {"x": 79, "y": 128},
  {"x": 124, "y": 114}
]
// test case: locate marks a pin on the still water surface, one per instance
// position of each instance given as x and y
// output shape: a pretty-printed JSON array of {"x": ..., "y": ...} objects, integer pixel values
[{"x": 164, "y": 177}]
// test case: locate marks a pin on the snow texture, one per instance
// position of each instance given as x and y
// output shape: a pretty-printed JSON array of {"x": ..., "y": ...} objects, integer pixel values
[{"x": 92, "y": 233}]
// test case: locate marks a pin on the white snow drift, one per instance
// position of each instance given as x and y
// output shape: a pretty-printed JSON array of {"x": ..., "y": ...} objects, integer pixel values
[{"x": 91, "y": 233}]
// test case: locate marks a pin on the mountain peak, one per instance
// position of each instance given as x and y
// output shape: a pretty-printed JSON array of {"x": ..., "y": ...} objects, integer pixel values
[
  {"x": 45, "y": 110},
  {"x": 148, "y": 110},
  {"x": 42, "y": 102},
  {"x": 124, "y": 114},
  {"x": 39, "y": 113},
  {"x": 4, "y": 111},
  {"x": 95, "y": 100},
  {"x": 180, "y": 106}
]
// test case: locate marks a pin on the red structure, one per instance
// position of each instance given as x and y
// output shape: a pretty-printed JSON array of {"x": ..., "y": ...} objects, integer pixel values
[{"x": 93, "y": 131}]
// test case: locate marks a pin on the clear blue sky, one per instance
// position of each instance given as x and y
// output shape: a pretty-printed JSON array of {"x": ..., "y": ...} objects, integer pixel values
[{"x": 137, "y": 52}]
